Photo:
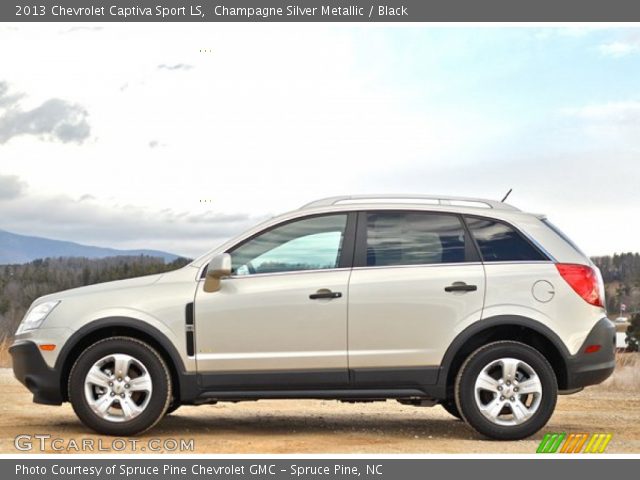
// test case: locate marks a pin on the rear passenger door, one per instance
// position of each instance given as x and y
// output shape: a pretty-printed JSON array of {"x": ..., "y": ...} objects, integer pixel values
[{"x": 417, "y": 282}]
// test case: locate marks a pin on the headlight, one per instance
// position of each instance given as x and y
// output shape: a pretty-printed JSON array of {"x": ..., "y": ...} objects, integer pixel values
[{"x": 36, "y": 316}]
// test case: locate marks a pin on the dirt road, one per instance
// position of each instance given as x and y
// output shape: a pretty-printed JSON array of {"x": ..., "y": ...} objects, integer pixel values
[{"x": 327, "y": 426}]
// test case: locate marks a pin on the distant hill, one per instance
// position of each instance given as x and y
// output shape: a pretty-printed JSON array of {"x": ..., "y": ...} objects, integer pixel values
[{"x": 17, "y": 249}]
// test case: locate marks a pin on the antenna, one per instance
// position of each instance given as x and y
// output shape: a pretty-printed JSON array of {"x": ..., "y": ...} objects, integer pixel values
[{"x": 505, "y": 197}]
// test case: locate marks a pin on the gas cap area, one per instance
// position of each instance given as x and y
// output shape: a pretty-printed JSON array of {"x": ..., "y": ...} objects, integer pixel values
[{"x": 543, "y": 291}]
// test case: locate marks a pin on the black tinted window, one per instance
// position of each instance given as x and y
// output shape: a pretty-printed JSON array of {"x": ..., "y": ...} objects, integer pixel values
[
  {"x": 413, "y": 238},
  {"x": 499, "y": 242}
]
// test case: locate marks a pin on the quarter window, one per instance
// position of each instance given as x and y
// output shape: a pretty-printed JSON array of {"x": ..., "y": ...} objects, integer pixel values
[
  {"x": 498, "y": 242},
  {"x": 413, "y": 238},
  {"x": 310, "y": 244}
]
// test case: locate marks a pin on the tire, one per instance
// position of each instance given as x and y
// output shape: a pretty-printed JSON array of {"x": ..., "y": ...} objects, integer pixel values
[
  {"x": 451, "y": 408},
  {"x": 172, "y": 408},
  {"x": 495, "y": 405},
  {"x": 144, "y": 387}
]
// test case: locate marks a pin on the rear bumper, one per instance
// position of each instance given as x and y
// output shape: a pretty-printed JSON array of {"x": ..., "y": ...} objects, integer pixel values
[
  {"x": 585, "y": 369},
  {"x": 31, "y": 370}
]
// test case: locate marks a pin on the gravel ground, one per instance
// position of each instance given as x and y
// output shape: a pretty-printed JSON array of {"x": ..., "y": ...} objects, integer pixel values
[{"x": 318, "y": 426}]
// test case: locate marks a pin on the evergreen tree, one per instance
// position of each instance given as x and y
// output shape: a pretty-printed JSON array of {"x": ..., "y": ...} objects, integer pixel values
[{"x": 633, "y": 333}]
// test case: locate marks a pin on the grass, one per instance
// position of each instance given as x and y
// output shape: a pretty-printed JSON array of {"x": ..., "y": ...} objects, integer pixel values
[
  {"x": 5, "y": 358},
  {"x": 626, "y": 375}
]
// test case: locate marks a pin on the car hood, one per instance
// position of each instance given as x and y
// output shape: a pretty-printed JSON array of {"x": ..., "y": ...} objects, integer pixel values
[{"x": 103, "y": 287}]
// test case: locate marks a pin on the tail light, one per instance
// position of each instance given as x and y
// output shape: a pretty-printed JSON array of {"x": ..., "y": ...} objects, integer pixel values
[{"x": 585, "y": 280}]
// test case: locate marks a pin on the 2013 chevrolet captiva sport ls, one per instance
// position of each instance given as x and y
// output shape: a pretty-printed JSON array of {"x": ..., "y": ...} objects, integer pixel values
[{"x": 467, "y": 303}]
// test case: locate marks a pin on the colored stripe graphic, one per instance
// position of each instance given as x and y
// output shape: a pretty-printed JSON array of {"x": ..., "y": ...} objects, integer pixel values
[
  {"x": 580, "y": 444},
  {"x": 588, "y": 448},
  {"x": 606, "y": 441},
  {"x": 557, "y": 443},
  {"x": 594, "y": 444},
  {"x": 598, "y": 443},
  {"x": 574, "y": 443},
  {"x": 552, "y": 439},
  {"x": 568, "y": 444},
  {"x": 543, "y": 443}
]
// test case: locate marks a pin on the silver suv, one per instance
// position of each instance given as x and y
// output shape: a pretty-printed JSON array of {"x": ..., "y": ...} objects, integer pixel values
[{"x": 467, "y": 303}]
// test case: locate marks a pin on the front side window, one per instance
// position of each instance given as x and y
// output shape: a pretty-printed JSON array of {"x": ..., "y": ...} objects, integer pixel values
[
  {"x": 310, "y": 244},
  {"x": 498, "y": 242},
  {"x": 413, "y": 238}
]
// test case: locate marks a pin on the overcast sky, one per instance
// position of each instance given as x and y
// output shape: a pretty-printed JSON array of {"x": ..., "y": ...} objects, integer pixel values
[{"x": 114, "y": 135}]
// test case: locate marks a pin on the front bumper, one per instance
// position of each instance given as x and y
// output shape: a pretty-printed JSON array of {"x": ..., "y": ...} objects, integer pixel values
[
  {"x": 585, "y": 369},
  {"x": 32, "y": 371}
]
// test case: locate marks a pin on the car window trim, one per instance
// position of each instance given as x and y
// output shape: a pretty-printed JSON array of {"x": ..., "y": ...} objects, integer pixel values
[
  {"x": 419, "y": 265},
  {"x": 287, "y": 272}
]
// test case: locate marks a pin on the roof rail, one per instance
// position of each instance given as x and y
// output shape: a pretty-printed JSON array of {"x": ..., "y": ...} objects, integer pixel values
[{"x": 409, "y": 199}]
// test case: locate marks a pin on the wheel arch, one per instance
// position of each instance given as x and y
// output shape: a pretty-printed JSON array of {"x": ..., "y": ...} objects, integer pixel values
[
  {"x": 121, "y": 326},
  {"x": 505, "y": 327}
]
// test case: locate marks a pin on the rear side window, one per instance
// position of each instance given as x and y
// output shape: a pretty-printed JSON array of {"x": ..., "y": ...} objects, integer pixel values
[
  {"x": 413, "y": 238},
  {"x": 498, "y": 242}
]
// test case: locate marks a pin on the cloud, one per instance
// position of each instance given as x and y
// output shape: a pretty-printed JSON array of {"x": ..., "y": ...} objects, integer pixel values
[
  {"x": 177, "y": 66},
  {"x": 619, "y": 49},
  {"x": 55, "y": 119},
  {"x": 156, "y": 144},
  {"x": 7, "y": 100},
  {"x": 11, "y": 187},
  {"x": 615, "y": 125},
  {"x": 89, "y": 220},
  {"x": 622, "y": 112}
]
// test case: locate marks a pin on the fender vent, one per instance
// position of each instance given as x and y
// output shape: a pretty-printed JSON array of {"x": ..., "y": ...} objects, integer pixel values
[{"x": 189, "y": 327}]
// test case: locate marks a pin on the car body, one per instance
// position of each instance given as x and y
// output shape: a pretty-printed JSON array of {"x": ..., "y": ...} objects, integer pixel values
[{"x": 353, "y": 298}]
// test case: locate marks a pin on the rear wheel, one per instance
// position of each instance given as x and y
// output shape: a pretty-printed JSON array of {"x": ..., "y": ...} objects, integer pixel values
[
  {"x": 120, "y": 386},
  {"x": 506, "y": 390}
]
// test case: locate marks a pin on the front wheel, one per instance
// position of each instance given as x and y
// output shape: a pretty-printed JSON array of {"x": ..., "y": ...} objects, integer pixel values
[
  {"x": 451, "y": 408},
  {"x": 120, "y": 386},
  {"x": 506, "y": 390},
  {"x": 172, "y": 408}
]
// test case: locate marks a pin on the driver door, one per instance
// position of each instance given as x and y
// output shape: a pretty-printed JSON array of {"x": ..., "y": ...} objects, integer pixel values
[{"x": 280, "y": 319}]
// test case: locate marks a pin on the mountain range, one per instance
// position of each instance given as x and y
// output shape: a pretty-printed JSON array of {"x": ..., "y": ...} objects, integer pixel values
[{"x": 15, "y": 249}]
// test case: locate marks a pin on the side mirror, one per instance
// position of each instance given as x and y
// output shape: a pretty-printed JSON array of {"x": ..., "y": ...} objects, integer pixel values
[{"x": 218, "y": 268}]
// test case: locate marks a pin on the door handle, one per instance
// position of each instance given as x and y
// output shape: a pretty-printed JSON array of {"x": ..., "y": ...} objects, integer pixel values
[
  {"x": 324, "y": 294},
  {"x": 460, "y": 287}
]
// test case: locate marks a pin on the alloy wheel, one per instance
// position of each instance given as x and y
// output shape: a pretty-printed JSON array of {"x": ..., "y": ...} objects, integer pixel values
[
  {"x": 118, "y": 387},
  {"x": 508, "y": 391}
]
